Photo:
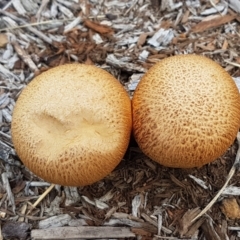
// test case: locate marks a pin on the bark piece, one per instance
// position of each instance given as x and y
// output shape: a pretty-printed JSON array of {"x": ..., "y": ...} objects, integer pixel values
[
  {"x": 186, "y": 222},
  {"x": 209, "y": 231},
  {"x": 15, "y": 230}
]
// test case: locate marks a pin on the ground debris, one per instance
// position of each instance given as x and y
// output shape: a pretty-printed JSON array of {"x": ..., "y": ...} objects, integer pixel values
[
  {"x": 3, "y": 40},
  {"x": 186, "y": 221},
  {"x": 83, "y": 232},
  {"x": 216, "y": 22},
  {"x": 11, "y": 230},
  {"x": 230, "y": 208},
  {"x": 140, "y": 198},
  {"x": 98, "y": 27},
  {"x": 55, "y": 221},
  {"x": 210, "y": 231}
]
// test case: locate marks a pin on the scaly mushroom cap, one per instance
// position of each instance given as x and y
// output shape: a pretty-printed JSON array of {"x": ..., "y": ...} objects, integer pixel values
[
  {"x": 71, "y": 125},
  {"x": 186, "y": 111}
]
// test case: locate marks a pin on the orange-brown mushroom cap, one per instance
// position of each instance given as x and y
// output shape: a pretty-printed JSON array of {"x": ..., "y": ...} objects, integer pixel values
[
  {"x": 71, "y": 125},
  {"x": 186, "y": 111}
]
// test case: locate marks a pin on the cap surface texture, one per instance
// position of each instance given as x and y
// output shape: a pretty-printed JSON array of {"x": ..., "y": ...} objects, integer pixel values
[
  {"x": 71, "y": 124},
  {"x": 186, "y": 111}
]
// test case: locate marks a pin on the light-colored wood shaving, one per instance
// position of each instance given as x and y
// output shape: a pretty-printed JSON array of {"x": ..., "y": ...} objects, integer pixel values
[{"x": 125, "y": 38}]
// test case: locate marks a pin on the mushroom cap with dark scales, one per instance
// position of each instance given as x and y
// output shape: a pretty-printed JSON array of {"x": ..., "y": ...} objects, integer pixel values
[
  {"x": 71, "y": 125},
  {"x": 186, "y": 111}
]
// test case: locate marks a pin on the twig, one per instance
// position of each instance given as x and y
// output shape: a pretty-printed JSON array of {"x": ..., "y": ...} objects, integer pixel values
[
  {"x": 158, "y": 212},
  {"x": 214, "y": 5},
  {"x": 8, "y": 73},
  {"x": 232, "y": 63},
  {"x": 24, "y": 56},
  {"x": 19, "y": 7},
  {"x": 159, "y": 223},
  {"x": 36, "y": 24},
  {"x": 23, "y": 210},
  {"x": 37, "y": 184},
  {"x": 72, "y": 24},
  {"x": 54, "y": 21},
  {"x": 129, "y": 9},
  {"x": 41, "y": 8},
  {"x": 230, "y": 175},
  {"x": 49, "y": 189},
  {"x": 124, "y": 65},
  {"x": 8, "y": 190}
]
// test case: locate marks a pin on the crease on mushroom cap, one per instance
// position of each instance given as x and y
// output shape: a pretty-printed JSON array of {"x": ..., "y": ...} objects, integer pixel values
[{"x": 71, "y": 125}]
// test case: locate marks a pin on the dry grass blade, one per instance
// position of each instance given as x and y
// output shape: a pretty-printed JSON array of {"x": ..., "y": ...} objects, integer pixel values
[
  {"x": 49, "y": 189},
  {"x": 232, "y": 63},
  {"x": 234, "y": 168},
  {"x": 33, "y": 30}
]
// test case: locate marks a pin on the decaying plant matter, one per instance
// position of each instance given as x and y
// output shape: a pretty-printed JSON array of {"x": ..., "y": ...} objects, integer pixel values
[{"x": 140, "y": 198}]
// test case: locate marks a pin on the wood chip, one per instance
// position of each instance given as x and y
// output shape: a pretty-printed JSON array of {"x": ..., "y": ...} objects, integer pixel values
[
  {"x": 55, "y": 221},
  {"x": 7, "y": 187},
  {"x": 17, "y": 230},
  {"x": 230, "y": 208},
  {"x": 186, "y": 220},
  {"x": 3, "y": 40},
  {"x": 209, "y": 230},
  {"x": 125, "y": 38},
  {"x": 24, "y": 56},
  {"x": 87, "y": 232},
  {"x": 206, "y": 25}
]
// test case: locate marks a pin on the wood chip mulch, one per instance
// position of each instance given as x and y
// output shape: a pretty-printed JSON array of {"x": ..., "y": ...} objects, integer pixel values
[{"x": 140, "y": 199}]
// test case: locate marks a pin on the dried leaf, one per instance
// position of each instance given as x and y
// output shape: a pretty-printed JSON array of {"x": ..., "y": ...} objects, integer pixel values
[{"x": 98, "y": 27}]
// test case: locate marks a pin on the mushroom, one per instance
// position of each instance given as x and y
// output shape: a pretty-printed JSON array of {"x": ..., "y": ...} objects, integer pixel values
[
  {"x": 186, "y": 111},
  {"x": 71, "y": 125}
]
